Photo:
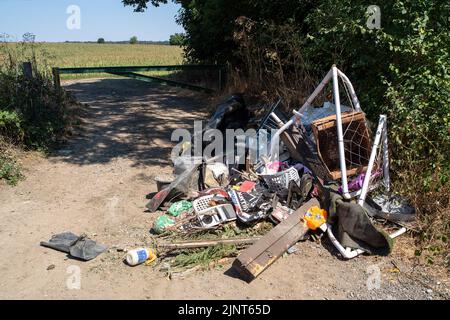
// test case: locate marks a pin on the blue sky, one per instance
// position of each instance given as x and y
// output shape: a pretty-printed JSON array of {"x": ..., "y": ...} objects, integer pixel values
[{"x": 47, "y": 19}]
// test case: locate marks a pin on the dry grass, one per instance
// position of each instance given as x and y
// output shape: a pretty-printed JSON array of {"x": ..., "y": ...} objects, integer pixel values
[{"x": 109, "y": 55}]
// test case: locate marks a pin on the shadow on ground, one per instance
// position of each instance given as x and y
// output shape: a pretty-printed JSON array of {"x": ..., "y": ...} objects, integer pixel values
[{"x": 125, "y": 118}]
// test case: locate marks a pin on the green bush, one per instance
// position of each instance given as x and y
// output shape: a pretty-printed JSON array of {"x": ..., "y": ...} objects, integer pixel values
[
  {"x": 9, "y": 169},
  {"x": 11, "y": 125},
  {"x": 402, "y": 70},
  {"x": 176, "y": 39},
  {"x": 33, "y": 113}
]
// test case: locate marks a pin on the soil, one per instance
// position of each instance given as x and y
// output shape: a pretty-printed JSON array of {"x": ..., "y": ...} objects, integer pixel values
[{"x": 97, "y": 184}]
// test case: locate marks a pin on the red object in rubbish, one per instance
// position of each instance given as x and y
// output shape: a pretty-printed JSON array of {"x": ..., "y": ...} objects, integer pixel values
[
  {"x": 247, "y": 186},
  {"x": 215, "y": 191},
  {"x": 157, "y": 200}
]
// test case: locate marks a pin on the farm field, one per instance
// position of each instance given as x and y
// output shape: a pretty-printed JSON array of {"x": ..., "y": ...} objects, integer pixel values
[{"x": 98, "y": 55}]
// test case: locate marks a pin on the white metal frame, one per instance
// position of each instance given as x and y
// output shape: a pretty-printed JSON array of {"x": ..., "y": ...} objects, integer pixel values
[
  {"x": 349, "y": 253},
  {"x": 381, "y": 133},
  {"x": 331, "y": 75}
]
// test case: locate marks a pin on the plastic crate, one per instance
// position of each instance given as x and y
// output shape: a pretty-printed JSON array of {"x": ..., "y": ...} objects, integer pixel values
[{"x": 279, "y": 182}]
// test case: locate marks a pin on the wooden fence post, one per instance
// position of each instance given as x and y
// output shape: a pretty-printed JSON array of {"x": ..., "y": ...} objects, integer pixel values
[
  {"x": 56, "y": 79},
  {"x": 27, "y": 70}
]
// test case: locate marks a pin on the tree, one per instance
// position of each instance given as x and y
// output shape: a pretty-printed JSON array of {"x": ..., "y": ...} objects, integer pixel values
[
  {"x": 176, "y": 39},
  {"x": 101, "y": 40},
  {"x": 134, "y": 40},
  {"x": 400, "y": 69}
]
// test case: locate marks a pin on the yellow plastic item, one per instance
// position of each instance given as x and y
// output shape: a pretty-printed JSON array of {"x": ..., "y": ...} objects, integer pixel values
[
  {"x": 151, "y": 257},
  {"x": 315, "y": 217}
]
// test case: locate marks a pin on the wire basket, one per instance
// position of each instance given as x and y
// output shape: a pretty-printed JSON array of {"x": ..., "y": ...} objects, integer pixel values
[
  {"x": 279, "y": 182},
  {"x": 201, "y": 205}
]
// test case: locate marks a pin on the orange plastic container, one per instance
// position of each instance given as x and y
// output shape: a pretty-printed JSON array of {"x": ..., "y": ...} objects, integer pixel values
[{"x": 315, "y": 217}]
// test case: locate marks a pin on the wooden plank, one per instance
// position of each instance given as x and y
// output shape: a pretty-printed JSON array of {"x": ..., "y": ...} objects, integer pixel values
[
  {"x": 330, "y": 121},
  {"x": 257, "y": 258},
  {"x": 206, "y": 243},
  {"x": 79, "y": 70}
]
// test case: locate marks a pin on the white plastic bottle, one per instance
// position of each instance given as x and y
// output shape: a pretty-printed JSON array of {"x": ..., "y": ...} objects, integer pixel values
[{"x": 138, "y": 256}]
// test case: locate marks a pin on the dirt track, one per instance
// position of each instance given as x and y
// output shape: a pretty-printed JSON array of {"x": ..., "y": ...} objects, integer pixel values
[{"x": 97, "y": 184}]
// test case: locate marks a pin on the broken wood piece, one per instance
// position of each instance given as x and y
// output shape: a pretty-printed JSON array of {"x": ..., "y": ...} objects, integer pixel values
[
  {"x": 257, "y": 258},
  {"x": 206, "y": 243}
]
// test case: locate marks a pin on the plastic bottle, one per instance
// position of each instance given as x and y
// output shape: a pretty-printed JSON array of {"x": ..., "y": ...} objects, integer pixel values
[{"x": 138, "y": 256}]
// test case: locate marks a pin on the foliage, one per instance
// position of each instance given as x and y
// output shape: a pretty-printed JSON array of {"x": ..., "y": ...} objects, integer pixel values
[
  {"x": 33, "y": 113},
  {"x": 176, "y": 39},
  {"x": 10, "y": 170},
  {"x": 11, "y": 125},
  {"x": 203, "y": 257},
  {"x": 134, "y": 40},
  {"x": 401, "y": 70}
]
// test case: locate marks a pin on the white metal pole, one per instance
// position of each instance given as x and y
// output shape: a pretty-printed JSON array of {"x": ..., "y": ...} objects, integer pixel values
[
  {"x": 319, "y": 88},
  {"x": 376, "y": 143},
  {"x": 386, "y": 174},
  {"x": 337, "y": 102},
  {"x": 275, "y": 141},
  {"x": 297, "y": 114},
  {"x": 277, "y": 119},
  {"x": 351, "y": 89}
]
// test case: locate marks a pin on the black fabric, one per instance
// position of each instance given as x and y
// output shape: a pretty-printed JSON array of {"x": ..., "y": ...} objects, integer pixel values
[
  {"x": 79, "y": 247},
  {"x": 297, "y": 195},
  {"x": 355, "y": 230},
  {"x": 353, "y": 225},
  {"x": 61, "y": 242},
  {"x": 86, "y": 249}
]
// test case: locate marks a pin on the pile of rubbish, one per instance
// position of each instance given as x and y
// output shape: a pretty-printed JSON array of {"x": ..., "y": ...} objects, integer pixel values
[
  {"x": 316, "y": 184},
  {"x": 318, "y": 174}
]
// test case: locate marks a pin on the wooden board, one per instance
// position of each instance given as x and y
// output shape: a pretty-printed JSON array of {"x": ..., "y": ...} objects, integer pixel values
[
  {"x": 257, "y": 258},
  {"x": 330, "y": 121}
]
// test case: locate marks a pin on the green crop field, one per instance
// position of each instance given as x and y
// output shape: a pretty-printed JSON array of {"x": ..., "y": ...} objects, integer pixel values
[
  {"x": 87, "y": 54},
  {"x": 98, "y": 55}
]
